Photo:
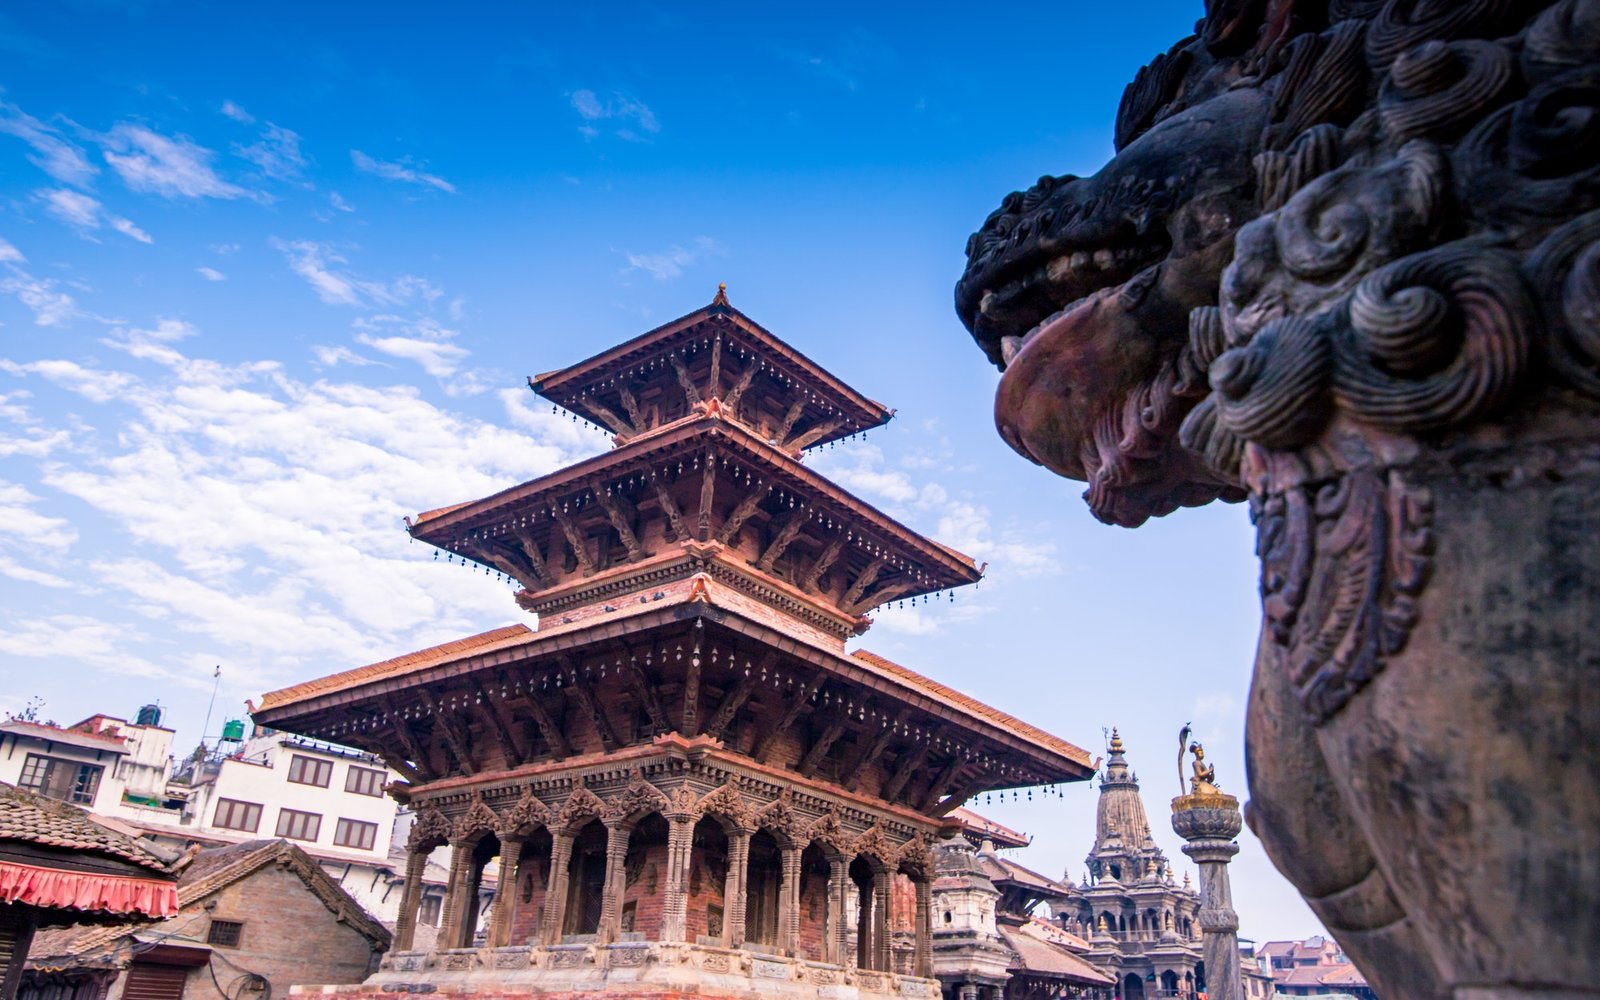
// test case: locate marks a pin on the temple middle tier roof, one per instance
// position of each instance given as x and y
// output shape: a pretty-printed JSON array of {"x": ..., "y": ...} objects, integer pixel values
[{"x": 705, "y": 495}]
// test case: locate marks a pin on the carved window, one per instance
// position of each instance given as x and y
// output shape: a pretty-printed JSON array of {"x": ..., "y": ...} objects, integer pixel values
[
  {"x": 310, "y": 771},
  {"x": 225, "y": 933},
  {"x": 231, "y": 814},
  {"x": 66, "y": 780},
  {"x": 429, "y": 912}
]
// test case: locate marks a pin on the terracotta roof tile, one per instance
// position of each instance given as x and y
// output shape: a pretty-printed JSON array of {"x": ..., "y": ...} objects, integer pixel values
[
  {"x": 966, "y": 703},
  {"x": 986, "y": 827},
  {"x": 36, "y": 820},
  {"x": 73, "y": 737},
  {"x": 1038, "y": 957}
]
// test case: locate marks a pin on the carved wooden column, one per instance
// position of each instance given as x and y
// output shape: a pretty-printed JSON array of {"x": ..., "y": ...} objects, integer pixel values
[
  {"x": 789, "y": 901},
  {"x": 454, "y": 904},
  {"x": 675, "y": 900},
  {"x": 733, "y": 888},
  {"x": 405, "y": 926},
  {"x": 505, "y": 895},
  {"x": 882, "y": 889},
  {"x": 617, "y": 835},
  {"x": 555, "y": 897},
  {"x": 838, "y": 929},
  {"x": 922, "y": 956}
]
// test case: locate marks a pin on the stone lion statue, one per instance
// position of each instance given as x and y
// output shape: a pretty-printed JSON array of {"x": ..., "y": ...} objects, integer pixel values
[{"x": 1346, "y": 265}]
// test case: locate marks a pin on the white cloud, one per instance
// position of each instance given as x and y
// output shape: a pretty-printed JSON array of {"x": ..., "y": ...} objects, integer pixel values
[
  {"x": 237, "y": 113},
  {"x": 631, "y": 115},
  {"x": 127, "y": 228},
  {"x": 670, "y": 263},
  {"x": 22, "y": 525},
  {"x": 328, "y": 356},
  {"x": 318, "y": 264},
  {"x": 259, "y": 514},
  {"x": 211, "y": 273},
  {"x": 85, "y": 214},
  {"x": 277, "y": 154},
  {"x": 152, "y": 163},
  {"x": 9, "y": 253},
  {"x": 49, "y": 306},
  {"x": 95, "y": 385},
  {"x": 423, "y": 341},
  {"x": 53, "y": 153},
  {"x": 402, "y": 170},
  {"x": 337, "y": 201}
]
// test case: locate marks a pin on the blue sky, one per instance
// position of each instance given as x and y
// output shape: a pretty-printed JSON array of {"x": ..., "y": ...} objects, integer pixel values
[{"x": 271, "y": 279}]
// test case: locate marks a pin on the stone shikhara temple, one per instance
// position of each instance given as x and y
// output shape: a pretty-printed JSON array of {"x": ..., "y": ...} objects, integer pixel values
[{"x": 688, "y": 784}]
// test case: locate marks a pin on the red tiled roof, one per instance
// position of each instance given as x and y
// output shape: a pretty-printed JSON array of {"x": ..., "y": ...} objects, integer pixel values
[
  {"x": 1005, "y": 870},
  {"x": 969, "y": 704},
  {"x": 36, "y": 820},
  {"x": 1038, "y": 957},
  {"x": 1342, "y": 974}
]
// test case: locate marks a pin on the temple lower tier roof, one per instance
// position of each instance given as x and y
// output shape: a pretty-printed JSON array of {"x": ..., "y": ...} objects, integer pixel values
[{"x": 696, "y": 658}]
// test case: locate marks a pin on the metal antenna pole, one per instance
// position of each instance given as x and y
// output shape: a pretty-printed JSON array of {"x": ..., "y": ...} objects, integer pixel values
[{"x": 211, "y": 704}]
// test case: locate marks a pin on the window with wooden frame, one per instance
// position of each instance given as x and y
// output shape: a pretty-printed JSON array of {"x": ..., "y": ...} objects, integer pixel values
[
  {"x": 66, "y": 780},
  {"x": 355, "y": 833},
  {"x": 429, "y": 913},
  {"x": 310, "y": 771},
  {"x": 225, "y": 933},
  {"x": 365, "y": 781},
  {"x": 231, "y": 814},
  {"x": 297, "y": 825}
]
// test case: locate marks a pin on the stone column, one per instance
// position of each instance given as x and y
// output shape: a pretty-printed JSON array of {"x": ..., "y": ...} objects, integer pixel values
[
  {"x": 733, "y": 888},
  {"x": 789, "y": 902},
  {"x": 882, "y": 903},
  {"x": 969, "y": 991},
  {"x": 454, "y": 904},
  {"x": 555, "y": 896},
  {"x": 838, "y": 930},
  {"x": 922, "y": 956},
  {"x": 405, "y": 925},
  {"x": 616, "y": 878},
  {"x": 675, "y": 897},
  {"x": 1209, "y": 822},
  {"x": 505, "y": 894}
]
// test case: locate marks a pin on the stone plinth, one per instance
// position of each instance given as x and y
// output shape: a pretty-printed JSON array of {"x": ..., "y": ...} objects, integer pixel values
[
  {"x": 641, "y": 969},
  {"x": 1208, "y": 823}
]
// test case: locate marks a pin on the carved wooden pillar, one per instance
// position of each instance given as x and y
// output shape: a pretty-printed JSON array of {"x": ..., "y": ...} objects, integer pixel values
[
  {"x": 838, "y": 929},
  {"x": 733, "y": 888},
  {"x": 922, "y": 955},
  {"x": 882, "y": 890},
  {"x": 617, "y": 835},
  {"x": 555, "y": 897},
  {"x": 789, "y": 902},
  {"x": 675, "y": 900},
  {"x": 405, "y": 925},
  {"x": 505, "y": 894},
  {"x": 454, "y": 903}
]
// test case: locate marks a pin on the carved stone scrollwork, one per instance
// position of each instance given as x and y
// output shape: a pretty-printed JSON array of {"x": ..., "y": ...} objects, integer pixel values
[
  {"x": 1341, "y": 566},
  {"x": 779, "y": 817},
  {"x": 829, "y": 831},
  {"x": 725, "y": 801},
  {"x": 1565, "y": 270},
  {"x": 581, "y": 807},
  {"x": 639, "y": 798}
]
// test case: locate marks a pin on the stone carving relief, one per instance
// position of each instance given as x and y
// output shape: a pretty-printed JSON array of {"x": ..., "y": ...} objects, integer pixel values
[
  {"x": 725, "y": 801},
  {"x": 477, "y": 820},
  {"x": 581, "y": 806},
  {"x": 1346, "y": 265},
  {"x": 638, "y": 799},
  {"x": 526, "y": 815},
  {"x": 431, "y": 829}
]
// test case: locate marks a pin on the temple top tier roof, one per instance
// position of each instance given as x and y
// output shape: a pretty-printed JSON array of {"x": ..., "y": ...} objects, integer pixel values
[
  {"x": 715, "y": 353},
  {"x": 1121, "y": 826}
]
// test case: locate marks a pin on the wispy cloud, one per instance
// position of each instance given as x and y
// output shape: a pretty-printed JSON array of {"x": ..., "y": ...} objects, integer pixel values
[
  {"x": 210, "y": 273},
  {"x": 318, "y": 264},
  {"x": 152, "y": 163},
  {"x": 425, "y": 342},
  {"x": 277, "y": 154},
  {"x": 670, "y": 263},
  {"x": 403, "y": 169},
  {"x": 86, "y": 214},
  {"x": 53, "y": 153},
  {"x": 632, "y": 118},
  {"x": 237, "y": 113},
  {"x": 50, "y": 307},
  {"x": 337, "y": 201}
]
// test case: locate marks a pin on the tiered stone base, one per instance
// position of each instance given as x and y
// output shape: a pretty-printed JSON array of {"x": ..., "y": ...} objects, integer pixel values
[{"x": 623, "y": 971}]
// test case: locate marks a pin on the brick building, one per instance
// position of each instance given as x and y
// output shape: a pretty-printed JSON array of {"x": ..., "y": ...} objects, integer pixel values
[
  {"x": 253, "y": 919},
  {"x": 682, "y": 778}
]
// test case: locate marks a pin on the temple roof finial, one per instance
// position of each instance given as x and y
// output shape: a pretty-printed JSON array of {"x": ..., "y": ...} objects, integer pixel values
[{"x": 722, "y": 294}]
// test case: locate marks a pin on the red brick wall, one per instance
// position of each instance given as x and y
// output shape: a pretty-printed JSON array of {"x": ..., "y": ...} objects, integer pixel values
[{"x": 289, "y": 937}]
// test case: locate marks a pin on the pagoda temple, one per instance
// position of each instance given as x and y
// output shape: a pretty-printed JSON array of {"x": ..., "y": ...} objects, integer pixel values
[{"x": 686, "y": 782}]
